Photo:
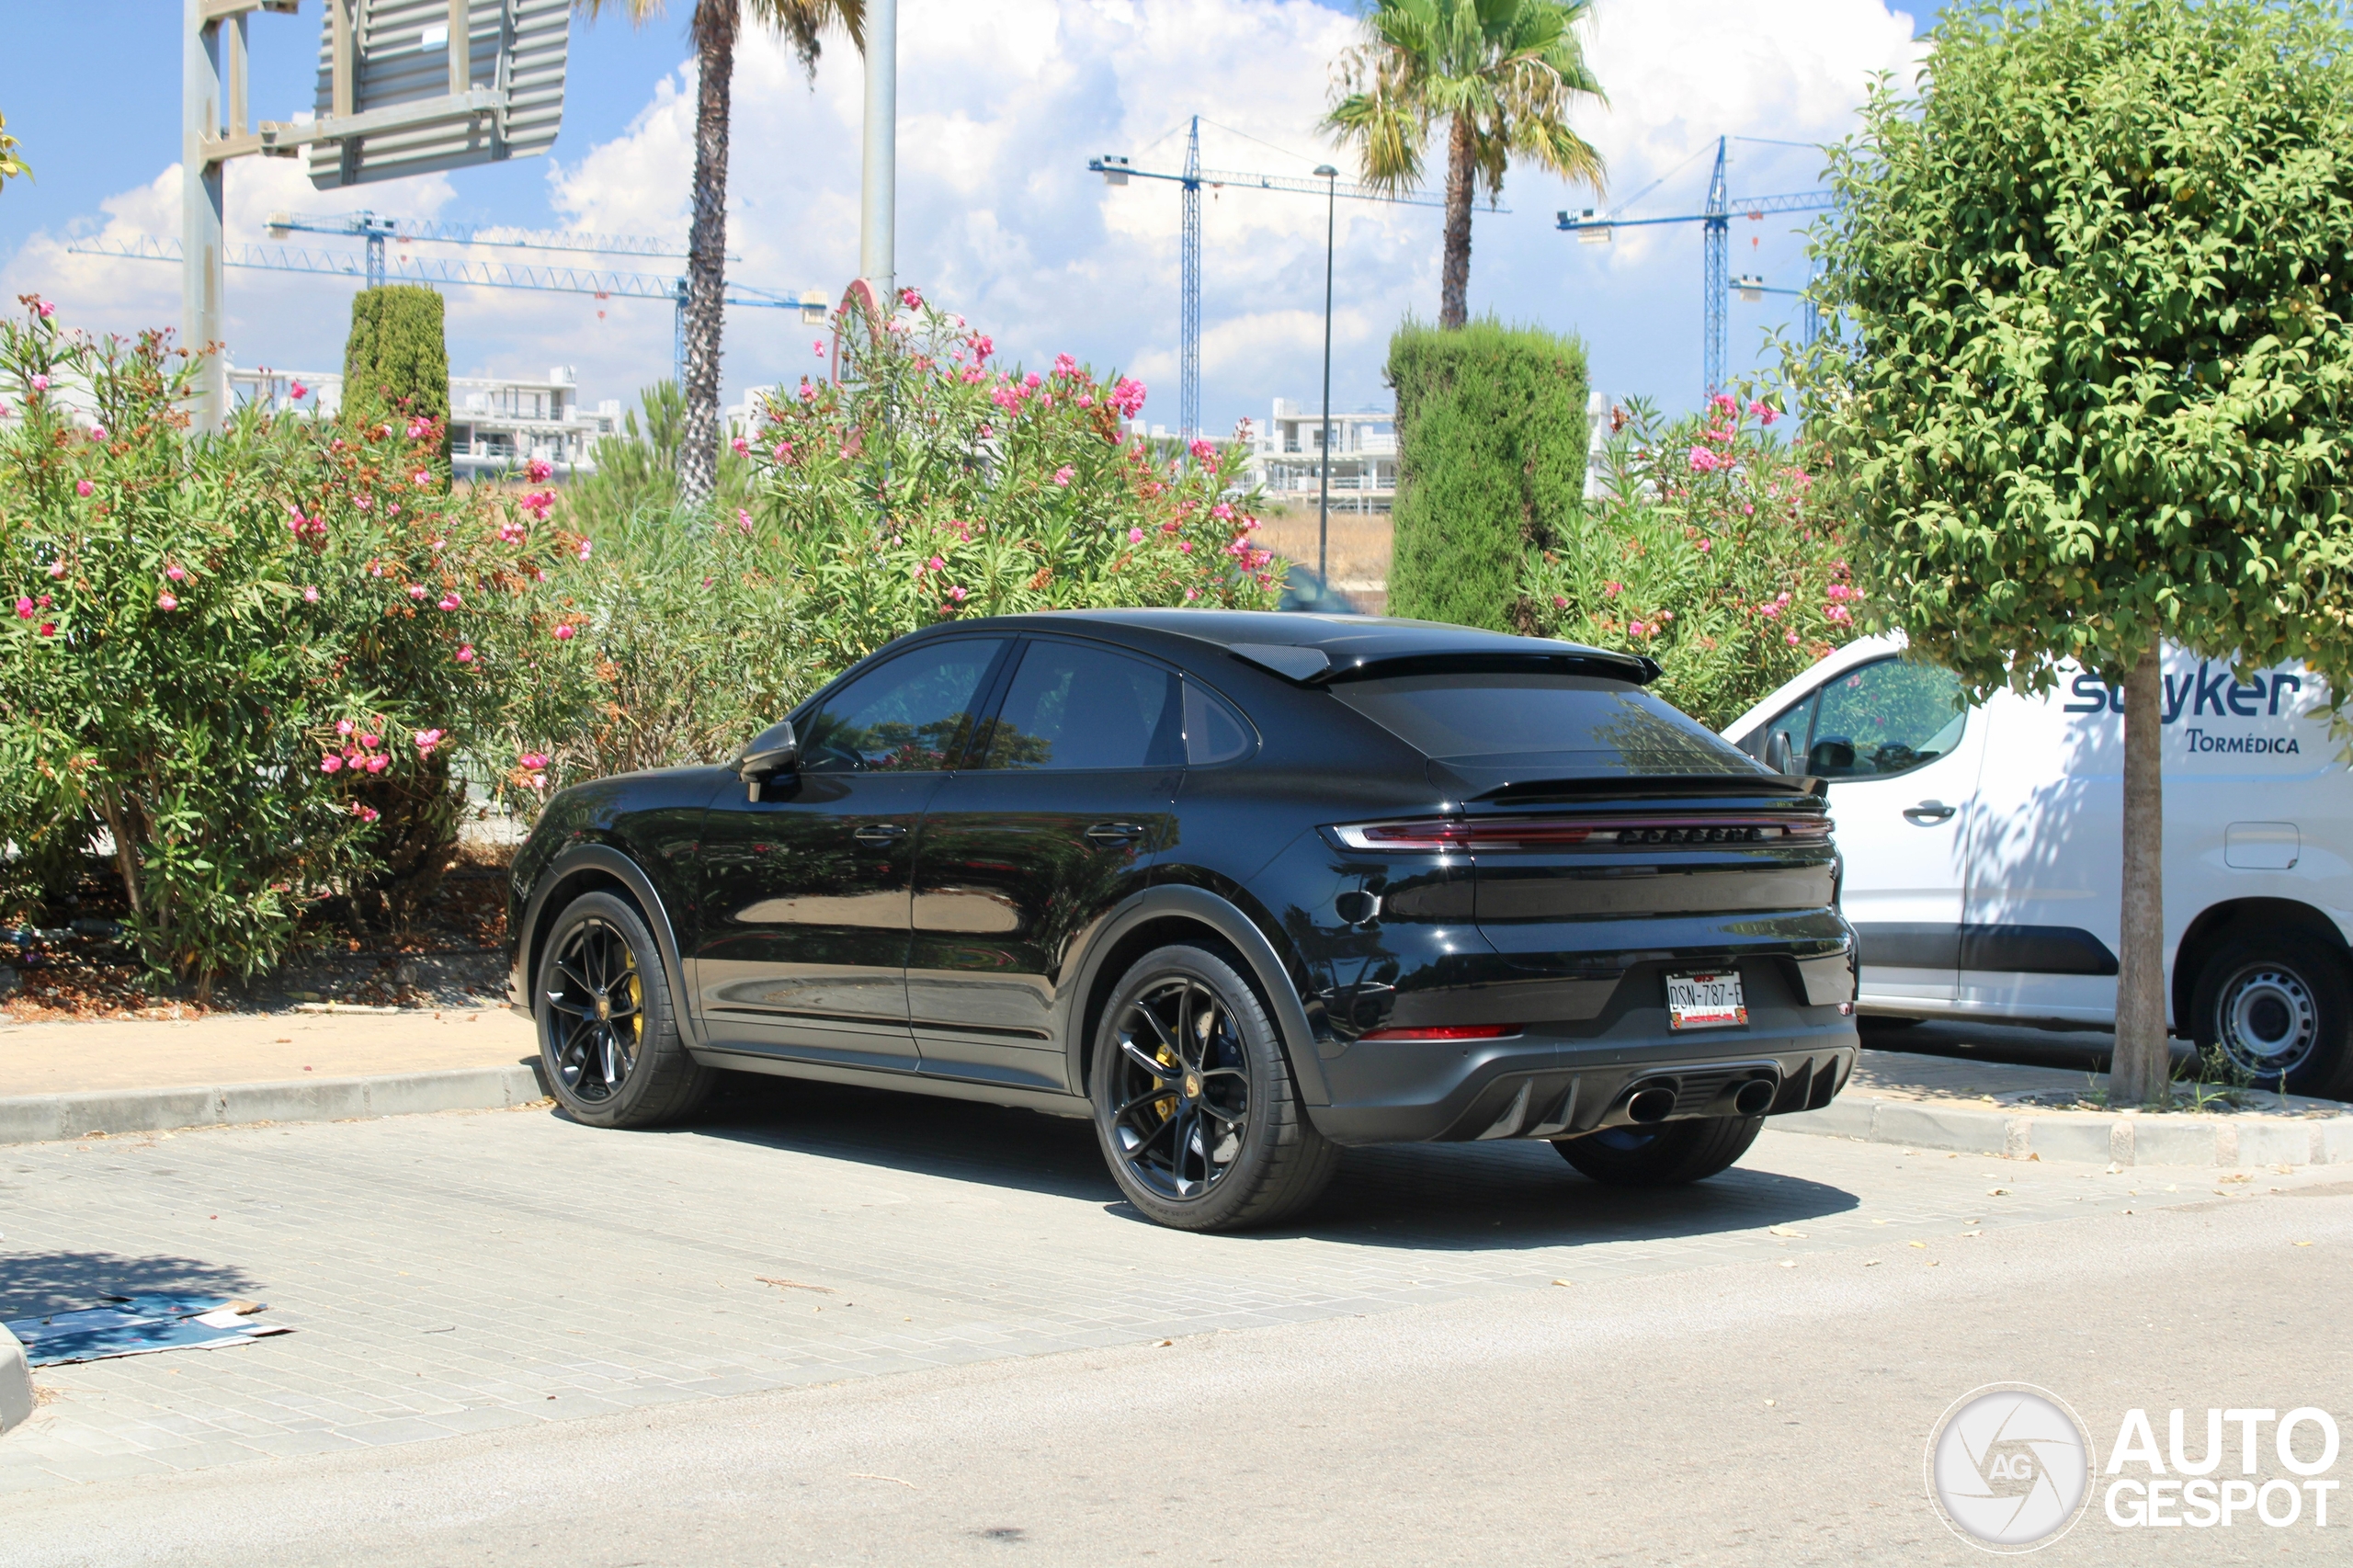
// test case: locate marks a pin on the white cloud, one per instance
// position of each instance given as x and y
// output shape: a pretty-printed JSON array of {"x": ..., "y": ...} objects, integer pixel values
[{"x": 1001, "y": 105}]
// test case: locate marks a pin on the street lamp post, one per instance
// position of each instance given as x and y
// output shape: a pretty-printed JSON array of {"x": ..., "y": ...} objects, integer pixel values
[{"x": 1330, "y": 176}]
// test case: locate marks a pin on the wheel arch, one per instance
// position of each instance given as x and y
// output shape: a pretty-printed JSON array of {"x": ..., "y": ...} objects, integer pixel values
[
  {"x": 595, "y": 868},
  {"x": 1162, "y": 916},
  {"x": 2235, "y": 917}
]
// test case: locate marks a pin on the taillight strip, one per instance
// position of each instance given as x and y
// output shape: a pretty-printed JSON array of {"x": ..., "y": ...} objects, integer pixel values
[{"x": 1469, "y": 834}]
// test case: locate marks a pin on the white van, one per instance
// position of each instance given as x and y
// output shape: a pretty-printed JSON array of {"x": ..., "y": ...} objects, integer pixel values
[{"x": 1983, "y": 852}]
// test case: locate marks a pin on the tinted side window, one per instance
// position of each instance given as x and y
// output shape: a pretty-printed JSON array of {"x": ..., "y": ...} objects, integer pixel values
[
  {"x": 1795, "y": 721},
  {"x": 1213, "y": 732},
  {"x": 1886, "y": 718},
  {"x": 913, "y": 714},
  {"x": 1072, "y": 707}
]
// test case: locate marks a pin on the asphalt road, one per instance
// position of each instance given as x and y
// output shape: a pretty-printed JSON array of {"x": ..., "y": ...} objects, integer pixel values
[{"x": 1757, "y": 1397}]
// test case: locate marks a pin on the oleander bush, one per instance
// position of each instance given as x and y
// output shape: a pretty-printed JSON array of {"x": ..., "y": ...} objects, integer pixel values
[
  {"x": 1706, "y": 549},
  {"x": 229, "y": 659}
]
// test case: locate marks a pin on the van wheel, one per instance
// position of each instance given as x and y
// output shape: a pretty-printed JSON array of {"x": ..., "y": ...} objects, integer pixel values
[
  {"x": 1667, "y": 1155},
  {"x": 2280, "y": 1010}
]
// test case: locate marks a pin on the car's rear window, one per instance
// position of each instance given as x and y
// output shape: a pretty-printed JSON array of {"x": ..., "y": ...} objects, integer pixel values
[{"x": 1565, "y": 725}]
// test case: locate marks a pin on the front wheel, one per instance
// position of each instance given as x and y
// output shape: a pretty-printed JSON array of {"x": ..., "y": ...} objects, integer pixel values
[
  {"x": 1670, "y": 1154},
  {"x": 609, "y": 1028},
  {"x": 2279, "y": 1010},
  {"x": 1194, "y": 1103}
]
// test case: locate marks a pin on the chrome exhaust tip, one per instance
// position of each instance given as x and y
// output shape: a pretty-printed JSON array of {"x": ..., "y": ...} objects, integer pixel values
[
  {"x": 1652, "y": 1105},
  {"x": 1756, "y": 1097}
]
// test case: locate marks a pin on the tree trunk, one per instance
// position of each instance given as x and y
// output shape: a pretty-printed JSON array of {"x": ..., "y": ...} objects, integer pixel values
[
  {"x": 2142, "y": 1070},
  {"x": 1454, "y": 279},
  {"x": 715, "y": 27}
]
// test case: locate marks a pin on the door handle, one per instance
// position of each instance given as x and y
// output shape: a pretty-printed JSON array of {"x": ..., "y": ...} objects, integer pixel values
[
  {"x": 1928, "y": 812},
  {"x": 1110, "y": 833},
  {"x": 876, "y": 834}
]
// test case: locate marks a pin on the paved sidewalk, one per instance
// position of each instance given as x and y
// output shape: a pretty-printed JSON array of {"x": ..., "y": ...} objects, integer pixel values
[{"x": 253, "y": 1048}]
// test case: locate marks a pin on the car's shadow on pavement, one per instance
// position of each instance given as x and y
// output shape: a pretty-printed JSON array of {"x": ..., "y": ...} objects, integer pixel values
[
  {"x": 1469, "y": 1197},
  {"x": 34, "y": 1284}
]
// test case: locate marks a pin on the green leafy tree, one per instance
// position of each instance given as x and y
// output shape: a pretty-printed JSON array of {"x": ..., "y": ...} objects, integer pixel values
[
  {"x": 1491, "y": 442},
  {"x": 396, "y": 362},
  {"x": 636, "y": 467},
  {"x": 715, "y": 27},
  {"x": 1503, "y": 76},
  {"x": 2090, "y": 384}
]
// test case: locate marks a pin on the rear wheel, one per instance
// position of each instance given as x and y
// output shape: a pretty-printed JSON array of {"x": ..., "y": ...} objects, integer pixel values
[
  {"x": 1194, "y": 1103},
  {"x": 609, "y": 1030},
  {"x": 1667, "y": 1155},
  {"x": 2279, "y": 1008}
]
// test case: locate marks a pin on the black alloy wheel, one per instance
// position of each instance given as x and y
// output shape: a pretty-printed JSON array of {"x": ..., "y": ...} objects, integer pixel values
[
  {"x": 1670, "y": 1154},
  {"x": 2280, "y": 1012},
  {"x": 1194, "y": 1103},
  {"x": 608, "y": 1036}
]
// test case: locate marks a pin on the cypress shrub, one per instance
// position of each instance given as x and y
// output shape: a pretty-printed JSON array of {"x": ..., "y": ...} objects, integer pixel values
[
  {"x": 396, "y": 362},
  {"x": 1490, "y": 441}
]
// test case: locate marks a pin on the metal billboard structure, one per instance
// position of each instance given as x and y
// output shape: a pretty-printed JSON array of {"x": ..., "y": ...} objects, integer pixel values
[{"x": 394, "y": 98}]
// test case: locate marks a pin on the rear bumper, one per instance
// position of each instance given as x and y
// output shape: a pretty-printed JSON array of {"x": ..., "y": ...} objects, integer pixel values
[{"x": 1538, "y": 1085}]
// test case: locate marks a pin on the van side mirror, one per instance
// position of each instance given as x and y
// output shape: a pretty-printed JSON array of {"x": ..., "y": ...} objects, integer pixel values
[
  {"x": 773, "y": 751},
  {"x": 1779, "y": 755}
]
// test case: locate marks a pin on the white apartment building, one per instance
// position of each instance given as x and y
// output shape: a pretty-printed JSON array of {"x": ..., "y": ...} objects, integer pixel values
[
  {"x": 1288, "y": 455},
  {"x": 496, "y": 423}
]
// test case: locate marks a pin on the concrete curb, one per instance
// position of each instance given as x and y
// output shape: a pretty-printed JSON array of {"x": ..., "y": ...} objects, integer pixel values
[
  {"x": 40, "y": 1119},
  {"x": 16, "y": 1382},
  {"x": 2123, "y": 1138}
]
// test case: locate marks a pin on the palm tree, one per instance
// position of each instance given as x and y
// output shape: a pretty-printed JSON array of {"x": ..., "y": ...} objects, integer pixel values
[
  {"x": 1503, "y": 74},
  {"x": 715, "y": 27}
]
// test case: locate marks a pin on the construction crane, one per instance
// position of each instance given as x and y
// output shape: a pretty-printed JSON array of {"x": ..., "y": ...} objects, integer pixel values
[
  {"x": 1716, "y": 260},
  {"x": 603, "y": 284},
  {"x": 1118, "y": 171},
  {"x": 376, "y": 230}
]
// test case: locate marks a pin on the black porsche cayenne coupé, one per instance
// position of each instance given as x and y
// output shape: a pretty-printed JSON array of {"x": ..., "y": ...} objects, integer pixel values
[{"x": 1240, "y": 888}]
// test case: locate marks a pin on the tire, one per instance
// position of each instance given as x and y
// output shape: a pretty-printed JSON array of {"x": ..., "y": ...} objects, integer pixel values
[
  {"x": 1189, "y": 1068},
  {"x": 1671, "y": 1154},
  {"x": 2278, "y": 1007},
  {"x": 624, "y": 1063}
]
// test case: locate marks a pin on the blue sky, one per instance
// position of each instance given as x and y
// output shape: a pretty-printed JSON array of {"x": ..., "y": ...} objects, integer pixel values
[{"x": 1001, "y": 105}]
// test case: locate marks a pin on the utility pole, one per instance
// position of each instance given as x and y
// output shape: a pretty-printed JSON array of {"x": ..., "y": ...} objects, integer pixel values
[
  {"x": 879, "y": 153},
  {"x": 202, "y": 278},
  {"x": 1330, "y": 178}
]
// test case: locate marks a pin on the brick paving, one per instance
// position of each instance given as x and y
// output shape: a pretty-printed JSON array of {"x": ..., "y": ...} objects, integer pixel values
[{"x": 468, "y": 1271}]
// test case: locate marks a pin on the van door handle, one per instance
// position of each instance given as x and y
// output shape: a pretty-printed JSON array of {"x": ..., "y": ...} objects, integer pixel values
[
  {"x": 879, "y": 834},
  {"x": 1928, "y": 812},
  {"x": 1108, "y": 834}
]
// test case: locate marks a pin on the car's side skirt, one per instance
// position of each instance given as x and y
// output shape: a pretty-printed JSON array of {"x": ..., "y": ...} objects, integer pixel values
[{"x": 1051, "y": 1102}]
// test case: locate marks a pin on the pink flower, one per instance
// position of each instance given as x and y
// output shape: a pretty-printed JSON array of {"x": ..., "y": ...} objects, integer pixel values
[
  {"x": 57, "y": 567},
  {"x": 41, "y": 383},
  {"x": 1064, "y": 475},
  {"x": 364, "y": 812},
  {"x": 24, "y": 609},
  {"x": 956, "y": 594},
  {"x": 982, "y": 345},
  {"x": 330, "y": 763},
  {"x": 417, "y": 590},
  {"x": 587, "y": 547},
  {"x": 1086, "y": 400},
  {"x": 422, "y": 479},
  {"x": 310, "y": 596},
  {"x": 566, "y": 632},
  {"x": 1792, "y": 639},
  {"x": 817, "y": 346},
  {"x": 49, "y": 629},
  {"x": 1065, "y": 366},
  {"x": 371, "y": 741},
  {"x": 44, "y": 601},
  {"x": 300, "y": 391},
  {"x": 427, "y": 740},
  {"x": 1560, "y": 603},
  {"x": 1190, "y": 594},
  {"x": 1135, "y": 536},
  {"x": 44, "y": 309},
  {"x": 82, "y": 487},
  {"x": 374, "y": 764},
  {"x": 744, "y": 519},
  {"x": 536, "y": 762},
  {"x": 1184, "y": 547},
  {"x": 1126, "y": 397},
  {"x": 1611, "y": 590},
  {"x": 450, "y": 601},
  {"x": 1704, "y": 461},
  {"x": 1770, "y": 611},
  {"x": 465, "y": 652},
  {"x": 342, "y": 726},
  {"x": 419, "y": 427},
  {"x": 97, "y": 432},
  {"x": 1203, "y": 453},
  {"x": 363, "y": 502},
  {"x": 1031, "y": 381},
  {"x": 538, "y": 471},
  {"x": 807, "y": 392},
  {"x": 1222, "y": 512},
  {"x": 911, "y": 297},
  {"x": 743, "y": 448},
  {"x": 1724, "y": 403},
  {"x": 166, "y": 601},
  {"x": 176, "y": 573}
]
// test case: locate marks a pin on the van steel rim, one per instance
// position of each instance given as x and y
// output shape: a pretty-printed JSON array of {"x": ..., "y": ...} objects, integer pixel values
[
  {"x": 2270, "y": 1022},
  {"x": 595, "y": 1011},
  {"x": 1181, "y": 1092}
]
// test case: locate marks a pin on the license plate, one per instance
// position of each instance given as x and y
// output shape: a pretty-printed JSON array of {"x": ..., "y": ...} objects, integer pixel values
[{"x": 1705, "y": 1001}]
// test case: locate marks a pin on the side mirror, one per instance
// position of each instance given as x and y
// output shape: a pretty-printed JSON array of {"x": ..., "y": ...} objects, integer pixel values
[
  {"x": 1779, "y": 755},
  {"x": 773, "y": 751}
]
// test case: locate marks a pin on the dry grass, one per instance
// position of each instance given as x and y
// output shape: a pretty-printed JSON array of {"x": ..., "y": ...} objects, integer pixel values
[{"x": 1358, "y": 552}]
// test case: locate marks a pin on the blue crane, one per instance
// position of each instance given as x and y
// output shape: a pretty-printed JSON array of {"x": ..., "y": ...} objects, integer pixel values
[
  {"x": 600, "y": 282},
  {"x": 1117, "y": 171},
  {"x": 1715, "y": 285},
  {"x": 375, "y": 230}
]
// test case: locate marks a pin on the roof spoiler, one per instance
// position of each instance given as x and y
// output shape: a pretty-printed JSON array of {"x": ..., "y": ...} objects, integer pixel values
[{"x": 1309, "y": 665}]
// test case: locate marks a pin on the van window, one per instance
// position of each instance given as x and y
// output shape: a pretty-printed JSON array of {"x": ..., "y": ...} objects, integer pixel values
[{"x": 1884, "y": 719}]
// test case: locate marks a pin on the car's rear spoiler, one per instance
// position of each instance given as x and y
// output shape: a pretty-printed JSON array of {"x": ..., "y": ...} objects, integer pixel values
[{"x": 1313, "y": 667}]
